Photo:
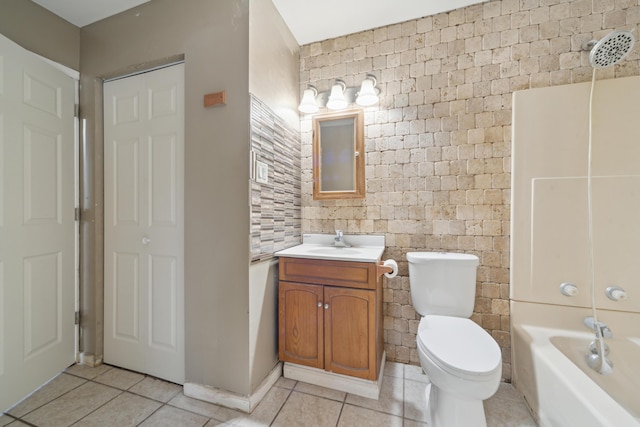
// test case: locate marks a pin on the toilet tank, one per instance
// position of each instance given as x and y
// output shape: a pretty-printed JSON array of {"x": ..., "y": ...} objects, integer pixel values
[{"x": 443, "y": 283}]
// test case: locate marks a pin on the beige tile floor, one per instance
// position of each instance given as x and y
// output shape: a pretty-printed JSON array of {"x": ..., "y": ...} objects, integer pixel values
[{"x": 109, "y": 396}]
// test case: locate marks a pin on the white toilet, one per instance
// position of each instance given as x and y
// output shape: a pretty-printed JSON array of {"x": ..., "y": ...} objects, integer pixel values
[{"x": 460, "y": 358}]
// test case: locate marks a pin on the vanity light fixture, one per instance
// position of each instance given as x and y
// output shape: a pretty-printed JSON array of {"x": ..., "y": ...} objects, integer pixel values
[
  {"x": 340, "y": 96},
  {"x": 337, "y": 101},
  {"x": 368, "y": 95},
  {"x": 308, "y": 104}
]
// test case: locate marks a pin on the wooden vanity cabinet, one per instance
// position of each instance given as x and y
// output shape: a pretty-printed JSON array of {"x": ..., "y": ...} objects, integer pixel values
[
  {"x": 330, "y": 316},
  {"x": 301, "y": 324}
]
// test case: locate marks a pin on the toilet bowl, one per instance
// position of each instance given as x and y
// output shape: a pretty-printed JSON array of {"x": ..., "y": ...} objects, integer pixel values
[
  {"x": 463, "y": 362},
  {"x": 464, "y": 366}
]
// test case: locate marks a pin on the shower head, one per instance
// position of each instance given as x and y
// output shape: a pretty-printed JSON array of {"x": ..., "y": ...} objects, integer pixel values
[{"x": 610, "y": 49}]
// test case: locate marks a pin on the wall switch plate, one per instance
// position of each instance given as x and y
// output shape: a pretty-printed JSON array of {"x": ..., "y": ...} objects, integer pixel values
[{"x": 262, "y": 172}]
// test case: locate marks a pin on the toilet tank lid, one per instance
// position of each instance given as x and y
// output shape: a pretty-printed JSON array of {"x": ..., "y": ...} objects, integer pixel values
[{"x": 425, "y": 257}]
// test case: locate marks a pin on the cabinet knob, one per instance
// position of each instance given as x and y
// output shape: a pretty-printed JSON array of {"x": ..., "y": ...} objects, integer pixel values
[
  {"x": 326, "y": 306},
  {"x": 320, "y": 304}
]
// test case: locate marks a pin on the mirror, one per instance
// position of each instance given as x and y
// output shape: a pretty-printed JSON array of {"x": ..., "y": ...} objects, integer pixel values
[{"x": 338, "y": 155}]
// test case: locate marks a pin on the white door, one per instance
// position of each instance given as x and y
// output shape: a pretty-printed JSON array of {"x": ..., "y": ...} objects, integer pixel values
[
  {"x": 37, "y": 225},
  {"x": 144, "y": 226}
]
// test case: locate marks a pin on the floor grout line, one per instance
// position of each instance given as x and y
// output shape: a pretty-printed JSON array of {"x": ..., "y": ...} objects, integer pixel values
[
  {"x": 282, "y": 406},
  {"x": 388, "y": 408},
  {"x": 151, "y": 414},
  {"x": 46, "y": 403},
  {"x": 86, "y": 415}
]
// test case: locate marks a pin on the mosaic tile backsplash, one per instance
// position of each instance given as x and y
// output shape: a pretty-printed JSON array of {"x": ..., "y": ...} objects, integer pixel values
[{"x": 275, "y": 205}]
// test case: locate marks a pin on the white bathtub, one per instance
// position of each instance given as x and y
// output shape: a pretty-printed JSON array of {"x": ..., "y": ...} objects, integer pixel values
[{"x": 549, "y": 343}]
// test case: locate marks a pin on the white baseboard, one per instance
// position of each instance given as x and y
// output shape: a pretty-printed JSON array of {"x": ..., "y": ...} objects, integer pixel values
[
  {"x": 232, "y": 400},
  {"x": 364, "y": 388}
]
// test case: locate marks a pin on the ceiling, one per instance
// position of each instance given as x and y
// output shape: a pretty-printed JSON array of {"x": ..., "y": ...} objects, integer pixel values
[
  {"x": 308, "y": 20},
  {"x": 313, "y": 20},
  {"x": 85, "y": 12}
]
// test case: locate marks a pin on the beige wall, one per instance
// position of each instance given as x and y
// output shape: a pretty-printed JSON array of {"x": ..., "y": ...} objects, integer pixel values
[
  {"x": 40, "y": 31},
  {"x": 274, "y": 66},
  {"x": 550, "y": 231},
  {"x": 263, "y": 320},
  {"x": 438, "y": 145},
  {"x": 213, "y": 38},
  {"x": 274, "y": 61}
]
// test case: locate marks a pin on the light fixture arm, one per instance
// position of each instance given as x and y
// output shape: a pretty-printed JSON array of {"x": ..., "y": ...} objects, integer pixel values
[
  {"x": 372, "y": 78},
  {"x": 341, "y": 83}
]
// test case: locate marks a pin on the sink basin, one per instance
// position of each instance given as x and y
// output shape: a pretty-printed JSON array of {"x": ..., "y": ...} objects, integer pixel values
[
  {"x": 331, "y": 250},
  {"x": 320, "y": 246}
]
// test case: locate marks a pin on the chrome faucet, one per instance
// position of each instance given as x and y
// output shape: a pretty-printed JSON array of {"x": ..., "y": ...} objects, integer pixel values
[
  {"x": 338, "y": 241},
  {"x": 598, "y": 350},
  {"x": 601, "y": 328}
]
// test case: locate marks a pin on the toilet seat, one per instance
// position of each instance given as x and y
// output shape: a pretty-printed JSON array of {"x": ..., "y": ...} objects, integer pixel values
[{"x": 459, "y": 346}]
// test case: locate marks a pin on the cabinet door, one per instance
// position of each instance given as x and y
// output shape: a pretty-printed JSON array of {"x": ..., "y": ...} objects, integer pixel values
[
  {"x": 350, "y": 325},
  {"x": 301, "y": 328}
]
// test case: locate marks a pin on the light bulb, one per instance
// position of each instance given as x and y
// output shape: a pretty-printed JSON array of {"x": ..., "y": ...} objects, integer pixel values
[
  {"x": 308, "y": 104},
  {"x": 367, "y": 95},
  {"x": 337, "y": 100}
]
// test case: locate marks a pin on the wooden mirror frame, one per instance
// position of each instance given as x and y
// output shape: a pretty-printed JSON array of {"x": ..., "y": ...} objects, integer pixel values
[{"x": 359, "y": 191}]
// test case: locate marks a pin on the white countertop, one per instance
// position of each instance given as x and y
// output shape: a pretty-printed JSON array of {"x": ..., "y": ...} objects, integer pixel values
[{"x": 364, "y": 248}]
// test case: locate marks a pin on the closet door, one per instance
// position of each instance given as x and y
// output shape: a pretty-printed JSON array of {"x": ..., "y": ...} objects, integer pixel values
[{"x": 144, "y": 225}]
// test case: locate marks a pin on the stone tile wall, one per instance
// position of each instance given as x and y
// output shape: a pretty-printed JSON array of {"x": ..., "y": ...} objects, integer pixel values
[
  {"x": 438, "y": 145},
  {"x": 275, "y": 206}
]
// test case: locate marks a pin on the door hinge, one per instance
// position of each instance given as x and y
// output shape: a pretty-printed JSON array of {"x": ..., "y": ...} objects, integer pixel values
[
  {"x": 76, "y": 214},
  {"x": 76, "y": 110},
  {"x": 77, "y": 318}
]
